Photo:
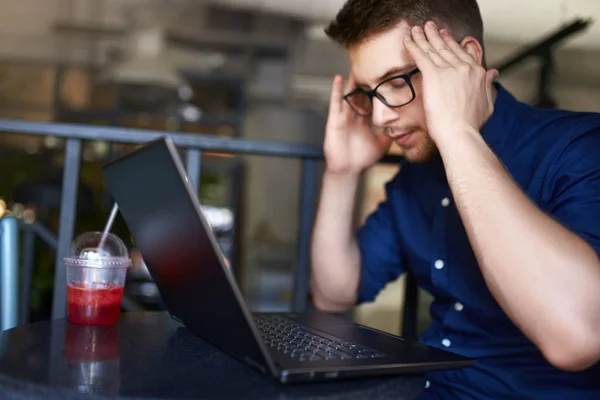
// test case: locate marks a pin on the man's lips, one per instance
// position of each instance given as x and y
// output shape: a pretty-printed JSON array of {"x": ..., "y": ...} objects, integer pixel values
[{"x": 402, "y": 138}]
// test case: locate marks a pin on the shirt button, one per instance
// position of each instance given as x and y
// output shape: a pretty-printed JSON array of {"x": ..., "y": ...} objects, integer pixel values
[
  {"x": 427, "y": 384},
  {"x": 439, "y": 264},
  {"x": 446, "y": 343},
  {"x": 458, "y": 307},
  {"x": 445, "y": 202}
]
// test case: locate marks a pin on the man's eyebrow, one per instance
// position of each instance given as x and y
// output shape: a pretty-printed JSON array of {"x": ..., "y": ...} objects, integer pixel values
[
  {"x": 395, "y": 71},
  {"x": 387, "y": 74}
]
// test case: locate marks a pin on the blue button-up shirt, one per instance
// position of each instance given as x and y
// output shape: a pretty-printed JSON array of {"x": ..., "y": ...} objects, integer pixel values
[{"x": 555, "y": 158}]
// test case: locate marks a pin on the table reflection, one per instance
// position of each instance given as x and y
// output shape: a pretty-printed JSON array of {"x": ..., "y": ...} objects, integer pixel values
[{"x": 90, "y": 359}]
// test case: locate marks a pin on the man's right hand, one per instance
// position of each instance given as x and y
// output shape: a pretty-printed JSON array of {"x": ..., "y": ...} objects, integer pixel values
[{"x": 350, "y": 145}]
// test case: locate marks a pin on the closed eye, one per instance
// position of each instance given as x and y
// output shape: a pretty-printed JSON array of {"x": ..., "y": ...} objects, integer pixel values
[{"x": 398, "y": 83}]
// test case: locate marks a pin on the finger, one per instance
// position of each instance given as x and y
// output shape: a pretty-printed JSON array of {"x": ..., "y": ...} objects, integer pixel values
[
  {"x": 456, "y": 48},
  {"x": 433, "y": 36},
  {"x": 438, "y": 60},
  {"x": 335, "y": 99},
  {"x": 420, "y": 39},
  {"x": 421, "y": 58}
]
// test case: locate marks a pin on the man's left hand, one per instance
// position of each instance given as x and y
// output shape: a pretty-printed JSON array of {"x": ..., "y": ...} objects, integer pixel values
[{"x": 457, "y": 90}]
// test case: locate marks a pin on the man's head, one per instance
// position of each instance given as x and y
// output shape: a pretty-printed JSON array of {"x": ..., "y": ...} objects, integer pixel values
[{"x": 373, "y": 32}]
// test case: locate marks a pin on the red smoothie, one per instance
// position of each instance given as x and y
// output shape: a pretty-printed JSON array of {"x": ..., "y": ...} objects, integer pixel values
[{"x": 98, "y": 305}]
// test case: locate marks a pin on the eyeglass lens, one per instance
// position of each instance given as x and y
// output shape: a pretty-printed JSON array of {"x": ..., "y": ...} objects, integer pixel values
[{"x": 396, "y": 92}]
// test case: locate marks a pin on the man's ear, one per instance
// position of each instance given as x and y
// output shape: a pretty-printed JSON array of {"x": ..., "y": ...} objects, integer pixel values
[{"x": 474, "y": 48}]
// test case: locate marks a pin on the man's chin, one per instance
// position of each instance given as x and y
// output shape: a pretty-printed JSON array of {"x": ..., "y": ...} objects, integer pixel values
[{"x": 419, "y": 154}]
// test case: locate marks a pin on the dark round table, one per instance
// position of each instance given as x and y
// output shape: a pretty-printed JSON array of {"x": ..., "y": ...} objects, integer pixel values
[{"x": 150, "y": 356}]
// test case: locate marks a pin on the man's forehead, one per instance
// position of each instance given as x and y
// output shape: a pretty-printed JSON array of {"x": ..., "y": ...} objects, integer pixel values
[{"x": 372, "y": 59}]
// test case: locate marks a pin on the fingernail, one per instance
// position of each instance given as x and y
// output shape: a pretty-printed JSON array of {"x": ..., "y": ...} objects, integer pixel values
[{"x": 432, "y": 25}]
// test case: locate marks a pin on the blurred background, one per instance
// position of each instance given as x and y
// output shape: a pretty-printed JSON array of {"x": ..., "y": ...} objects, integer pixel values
[{"x": 255, "y": 69}]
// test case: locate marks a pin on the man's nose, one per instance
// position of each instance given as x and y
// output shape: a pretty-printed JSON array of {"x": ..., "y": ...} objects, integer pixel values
[{"x": 383, "y": 115}]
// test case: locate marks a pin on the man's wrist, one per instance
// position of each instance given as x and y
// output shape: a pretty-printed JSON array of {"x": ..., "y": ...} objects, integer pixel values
[
  {"x": 467, "y": 157},
  {"x": 455, "y": 139},
  {"x": 342, "y": 176}
]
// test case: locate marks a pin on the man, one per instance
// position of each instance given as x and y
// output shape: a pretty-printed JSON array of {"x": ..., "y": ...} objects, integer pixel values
[{"x": 496, "y": 213}]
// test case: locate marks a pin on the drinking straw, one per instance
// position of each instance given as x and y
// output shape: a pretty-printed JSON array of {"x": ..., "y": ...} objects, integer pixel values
[{"x": 108, "y": 226}]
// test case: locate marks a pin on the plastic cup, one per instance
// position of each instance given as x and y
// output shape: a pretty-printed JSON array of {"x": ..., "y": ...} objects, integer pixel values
[{"x": 96, "y": 279}]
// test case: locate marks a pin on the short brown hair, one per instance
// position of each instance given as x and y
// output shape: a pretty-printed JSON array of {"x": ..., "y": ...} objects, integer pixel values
[{"x": 360, "y": 19}]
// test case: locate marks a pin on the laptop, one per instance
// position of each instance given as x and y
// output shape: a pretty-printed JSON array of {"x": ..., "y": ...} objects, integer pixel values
[{"x": 163, "y": 214}]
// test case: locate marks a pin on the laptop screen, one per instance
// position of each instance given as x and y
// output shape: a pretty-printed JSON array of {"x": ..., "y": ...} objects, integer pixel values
[{"x": 163, "y": 214}]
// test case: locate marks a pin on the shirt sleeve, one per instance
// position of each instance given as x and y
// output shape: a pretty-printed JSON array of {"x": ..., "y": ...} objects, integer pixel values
[
  {"x": 575, "y": 199},
  {"x": 379, "y": 248}
]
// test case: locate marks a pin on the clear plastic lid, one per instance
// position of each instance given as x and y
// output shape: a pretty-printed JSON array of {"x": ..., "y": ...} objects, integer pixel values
[{"x": 86, "y": 252}]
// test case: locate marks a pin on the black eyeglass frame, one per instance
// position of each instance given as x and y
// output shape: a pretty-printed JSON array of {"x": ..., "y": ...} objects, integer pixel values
[{"x": 373, "y": 93}]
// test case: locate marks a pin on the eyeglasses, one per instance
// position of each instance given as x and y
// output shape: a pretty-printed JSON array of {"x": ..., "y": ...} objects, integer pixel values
[{"x": 394, "y": 92}]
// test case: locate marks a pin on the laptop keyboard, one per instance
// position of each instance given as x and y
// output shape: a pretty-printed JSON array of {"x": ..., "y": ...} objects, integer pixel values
[{"x": 293, "y": 340}]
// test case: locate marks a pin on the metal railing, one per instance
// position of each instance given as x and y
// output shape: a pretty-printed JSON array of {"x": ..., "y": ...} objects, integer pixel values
[
  {"x": 9, "y": 281},
  {"x": 195, "y": 145}
]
